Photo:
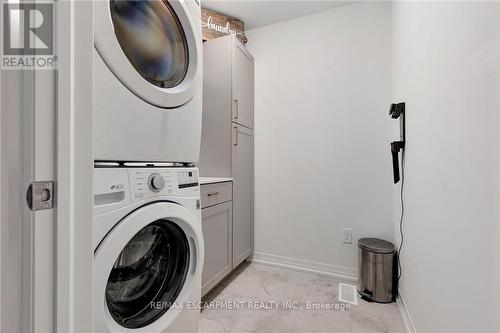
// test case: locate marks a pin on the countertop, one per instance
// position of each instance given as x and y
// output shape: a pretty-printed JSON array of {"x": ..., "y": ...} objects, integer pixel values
[{"x": 211, "y": 180}]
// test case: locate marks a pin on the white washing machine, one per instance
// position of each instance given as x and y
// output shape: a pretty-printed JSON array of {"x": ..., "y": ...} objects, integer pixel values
[
  {"x": 148, "y": 250},
  {"x": 147, "y": 80}
]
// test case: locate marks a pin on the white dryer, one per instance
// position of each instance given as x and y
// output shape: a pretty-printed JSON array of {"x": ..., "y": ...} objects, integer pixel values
[
  {"x": 147, "y": 80},
  {"x": 148, "y": 250}
]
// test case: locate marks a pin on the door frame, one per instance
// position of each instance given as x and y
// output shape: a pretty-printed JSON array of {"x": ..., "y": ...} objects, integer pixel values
[{"x": 74, "y": 167}]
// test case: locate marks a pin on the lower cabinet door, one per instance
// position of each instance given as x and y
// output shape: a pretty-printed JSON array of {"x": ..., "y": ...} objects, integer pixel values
[
  {"x": 217, "y": 224},
  {"x": 242, "y": 169}
]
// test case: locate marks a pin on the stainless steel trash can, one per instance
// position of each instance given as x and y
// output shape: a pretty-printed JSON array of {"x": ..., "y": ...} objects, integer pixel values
[{"x": 376, "y": 270}]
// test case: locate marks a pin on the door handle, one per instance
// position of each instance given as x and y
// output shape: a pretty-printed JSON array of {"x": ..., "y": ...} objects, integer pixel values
[
  {"x": 235, "y": 136},
  {"x": 194, "y": 250},
  {"x": 237, "y": 105}
]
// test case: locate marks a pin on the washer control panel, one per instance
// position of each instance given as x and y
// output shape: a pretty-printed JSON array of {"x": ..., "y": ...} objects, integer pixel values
[
  {"x": 121, "y": 186},
  {"x": 149, "y": 182},
  {"x": 188, "y": 178}
]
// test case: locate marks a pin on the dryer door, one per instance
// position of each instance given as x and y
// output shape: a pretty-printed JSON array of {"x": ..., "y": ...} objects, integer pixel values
[
  {"x": 151, "y": 46},
  {"x": 144, "y": 268}
]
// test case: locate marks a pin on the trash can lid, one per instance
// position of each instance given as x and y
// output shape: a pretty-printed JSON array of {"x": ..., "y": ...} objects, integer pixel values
[{"x": 376, "y": 245}]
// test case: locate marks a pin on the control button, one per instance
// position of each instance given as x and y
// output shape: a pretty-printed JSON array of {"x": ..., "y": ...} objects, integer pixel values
[{"x": 156, "y": 182}]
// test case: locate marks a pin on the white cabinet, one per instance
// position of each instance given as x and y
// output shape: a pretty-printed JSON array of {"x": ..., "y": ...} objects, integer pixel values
[
  {"x": 228, "y": 98},
  {"x": 227, "y": 132},
  {"x": 242, "y": 166},
  {"x": 217, "y": 224}
]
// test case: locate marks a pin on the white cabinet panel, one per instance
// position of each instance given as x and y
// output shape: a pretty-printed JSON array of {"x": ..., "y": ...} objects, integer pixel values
[
  {"x": 216, "y": 193},
  {"x": 242, "y": 193},
  {"x": 243, "y": 70},
  {"x": 217, "y": 234}
]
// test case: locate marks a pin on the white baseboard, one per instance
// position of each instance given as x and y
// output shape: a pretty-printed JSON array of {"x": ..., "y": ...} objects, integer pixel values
[
  {"x": 342, "y": 272},
  {"x": 403, "y": 310}
]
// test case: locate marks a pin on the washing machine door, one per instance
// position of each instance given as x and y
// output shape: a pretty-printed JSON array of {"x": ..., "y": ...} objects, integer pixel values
[
  {"x": 151, "y": 46},
  {"x": 145, "y": 269}
]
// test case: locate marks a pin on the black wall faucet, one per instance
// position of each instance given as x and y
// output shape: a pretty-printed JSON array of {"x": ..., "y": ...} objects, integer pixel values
[{"x": 397, "y": 111}]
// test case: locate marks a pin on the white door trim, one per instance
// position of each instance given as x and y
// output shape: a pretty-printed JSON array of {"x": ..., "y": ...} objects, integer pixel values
[{"x": 74, "y": 248}]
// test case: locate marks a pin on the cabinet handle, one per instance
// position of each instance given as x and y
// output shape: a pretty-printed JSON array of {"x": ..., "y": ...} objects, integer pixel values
[
  {"x": 237, "y": 109},
  {"x": 235, "y": 136},
  {"x": 213, "y": 193}
]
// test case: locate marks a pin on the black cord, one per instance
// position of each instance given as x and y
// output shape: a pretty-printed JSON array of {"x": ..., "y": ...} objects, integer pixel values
[{"x": 402, "y": 214}]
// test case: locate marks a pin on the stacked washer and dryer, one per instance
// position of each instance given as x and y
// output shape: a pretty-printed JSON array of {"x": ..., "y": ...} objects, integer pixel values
[{"x": 148, "y": 245}]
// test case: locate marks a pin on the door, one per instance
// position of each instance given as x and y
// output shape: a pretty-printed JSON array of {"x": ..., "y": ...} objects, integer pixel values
[
  {"x": 217, "y": 222},
  {"x": 242, "y": 169},
  {"x": 151, "y": 46},
  {"x": 243, "y": 90},
  {"x": 46, "y": 117},
  {"x": 27, "y": 237},
  {"x": 146, "y": 267},
  {"x": 151, "y": 268}
]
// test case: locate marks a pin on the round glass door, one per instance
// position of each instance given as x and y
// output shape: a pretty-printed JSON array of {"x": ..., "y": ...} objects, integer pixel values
[
  {"x": 148, "y": 275},
  {"x": 151, "y": 36}
]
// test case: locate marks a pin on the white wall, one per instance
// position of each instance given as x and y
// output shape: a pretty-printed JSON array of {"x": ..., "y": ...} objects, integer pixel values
[
  {"x": 322, "y": 133},
  {"x": 447, "y": 69}
]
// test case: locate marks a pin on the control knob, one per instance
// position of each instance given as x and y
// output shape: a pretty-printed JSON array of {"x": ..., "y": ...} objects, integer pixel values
[{"x": 156, "y": 182}]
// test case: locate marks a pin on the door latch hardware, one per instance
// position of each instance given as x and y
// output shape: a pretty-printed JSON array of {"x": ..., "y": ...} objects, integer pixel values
[{"x": 40, "y": 195}]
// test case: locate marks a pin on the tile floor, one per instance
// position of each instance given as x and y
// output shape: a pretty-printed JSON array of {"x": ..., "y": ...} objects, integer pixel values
[{"x": 259, "y": 283}]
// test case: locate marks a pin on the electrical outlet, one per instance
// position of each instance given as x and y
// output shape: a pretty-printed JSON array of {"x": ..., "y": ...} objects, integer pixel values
[{"x": 347, "y": 239}]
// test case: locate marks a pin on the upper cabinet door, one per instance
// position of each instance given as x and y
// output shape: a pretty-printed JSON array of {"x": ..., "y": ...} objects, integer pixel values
[{"x": 242, "y": 103}]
